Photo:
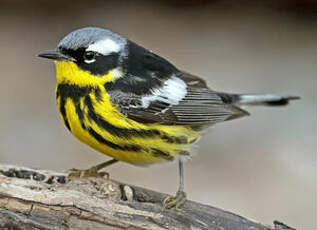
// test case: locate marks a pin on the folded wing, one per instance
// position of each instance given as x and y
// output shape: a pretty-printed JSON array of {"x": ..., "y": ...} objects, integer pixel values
[{"x": 182, "y": 99}]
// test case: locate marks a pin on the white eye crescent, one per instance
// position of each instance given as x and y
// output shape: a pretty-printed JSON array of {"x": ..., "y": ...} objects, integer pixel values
[
  {"x": 90, "y": 61},
  {"x": 89, "y": 57}
]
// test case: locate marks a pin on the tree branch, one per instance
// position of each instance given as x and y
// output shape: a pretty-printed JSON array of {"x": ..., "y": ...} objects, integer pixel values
[{"x": 42, "y": 199}]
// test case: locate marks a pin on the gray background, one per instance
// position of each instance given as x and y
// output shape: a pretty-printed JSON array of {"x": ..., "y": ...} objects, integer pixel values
[{"x": 262, "y": 167}]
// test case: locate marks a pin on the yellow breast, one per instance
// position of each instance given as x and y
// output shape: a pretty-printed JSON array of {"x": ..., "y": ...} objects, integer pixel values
[{"x": 87, "y": 111}]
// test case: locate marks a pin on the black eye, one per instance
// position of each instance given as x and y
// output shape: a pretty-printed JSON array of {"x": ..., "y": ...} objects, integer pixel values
[{"x": 89, "y": 56}]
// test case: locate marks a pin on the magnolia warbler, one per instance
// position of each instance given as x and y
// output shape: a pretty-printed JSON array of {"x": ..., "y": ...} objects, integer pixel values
[{"x": 133, "y": 105}]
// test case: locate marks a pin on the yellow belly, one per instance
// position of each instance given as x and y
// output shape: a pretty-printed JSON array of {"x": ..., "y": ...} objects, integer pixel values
[
  {"x": 166, "y": 146},
  {"x": 94, "y": 120}
]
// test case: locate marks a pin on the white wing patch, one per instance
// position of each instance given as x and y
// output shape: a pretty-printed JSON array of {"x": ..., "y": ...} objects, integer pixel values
[
  {"x": 172, "y": 92},
  {"x": 105, "y": 47}
]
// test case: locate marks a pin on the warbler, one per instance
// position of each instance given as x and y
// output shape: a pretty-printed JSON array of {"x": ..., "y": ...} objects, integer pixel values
[{"x": 135, "y": 106}]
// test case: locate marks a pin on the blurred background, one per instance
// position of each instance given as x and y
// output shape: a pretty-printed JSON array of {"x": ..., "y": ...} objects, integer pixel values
[{"x": 263, "y": 167}]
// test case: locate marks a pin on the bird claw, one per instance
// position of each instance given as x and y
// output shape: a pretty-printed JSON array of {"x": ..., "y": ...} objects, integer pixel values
[{"x": 175, "y": 201}]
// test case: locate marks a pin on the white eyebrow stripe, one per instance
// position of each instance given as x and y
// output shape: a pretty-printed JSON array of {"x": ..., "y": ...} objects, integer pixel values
[{"x": 105, "y": 47}]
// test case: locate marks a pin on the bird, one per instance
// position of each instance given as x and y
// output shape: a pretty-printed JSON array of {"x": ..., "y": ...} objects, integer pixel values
[{"x": 135, "y": 106}]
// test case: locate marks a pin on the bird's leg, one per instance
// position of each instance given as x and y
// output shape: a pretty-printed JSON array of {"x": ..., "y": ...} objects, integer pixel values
[
  {"x": 93, "y": 171},
  {"x": 179, "y": 199}
]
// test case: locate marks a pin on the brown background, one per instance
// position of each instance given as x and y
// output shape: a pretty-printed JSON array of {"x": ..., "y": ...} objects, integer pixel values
[{"x": 263, "y": 166}]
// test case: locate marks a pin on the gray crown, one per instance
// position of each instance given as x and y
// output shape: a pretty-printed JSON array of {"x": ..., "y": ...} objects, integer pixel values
[{"x": 84, "y": 37}]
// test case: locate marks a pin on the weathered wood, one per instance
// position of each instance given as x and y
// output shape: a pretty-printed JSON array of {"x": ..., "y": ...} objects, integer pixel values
[{"x": 42, "y": 199}]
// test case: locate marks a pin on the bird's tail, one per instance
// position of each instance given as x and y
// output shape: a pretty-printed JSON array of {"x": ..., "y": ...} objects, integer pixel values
[{"x": 257, "y": 99}]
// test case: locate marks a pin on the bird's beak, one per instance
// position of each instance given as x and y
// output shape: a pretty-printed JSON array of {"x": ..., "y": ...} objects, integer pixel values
[{"x": 55, "y": 54}]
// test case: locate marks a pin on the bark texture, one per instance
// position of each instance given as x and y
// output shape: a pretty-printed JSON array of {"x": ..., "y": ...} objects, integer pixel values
[{"x": 42, "y": 199}]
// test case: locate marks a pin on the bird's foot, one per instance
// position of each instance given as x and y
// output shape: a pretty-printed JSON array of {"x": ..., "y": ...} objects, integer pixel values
[
  {"x": 91, "y": 172},
  {"x": 175, "y": 201}
]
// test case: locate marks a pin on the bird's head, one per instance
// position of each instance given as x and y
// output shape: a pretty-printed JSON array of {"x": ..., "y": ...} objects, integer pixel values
[{"x": 89, "y": 56}]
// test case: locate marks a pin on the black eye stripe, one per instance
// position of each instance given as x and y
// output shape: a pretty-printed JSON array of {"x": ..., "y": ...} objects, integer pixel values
[{"x": 101, "y": 66}]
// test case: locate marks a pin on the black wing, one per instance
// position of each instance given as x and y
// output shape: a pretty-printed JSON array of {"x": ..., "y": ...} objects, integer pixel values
[
  {"x": 154, "y": 91},
  {"x": 200, "y": 106}
]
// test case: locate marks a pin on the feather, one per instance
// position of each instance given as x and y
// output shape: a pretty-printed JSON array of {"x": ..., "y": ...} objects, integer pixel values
[{"x": 182, "y": 99}]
